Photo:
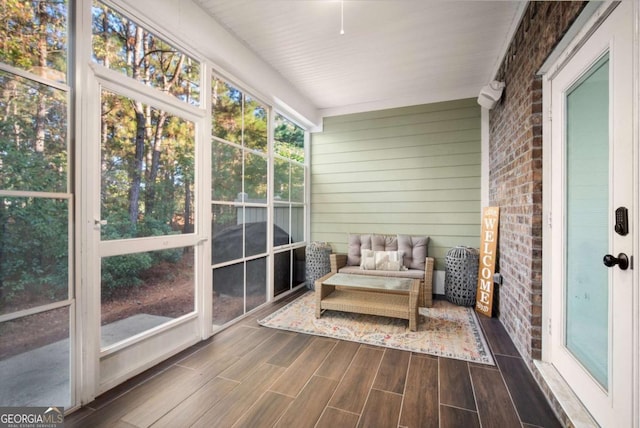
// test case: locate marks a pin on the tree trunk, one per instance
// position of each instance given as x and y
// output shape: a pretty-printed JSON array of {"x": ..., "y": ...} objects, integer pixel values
[
  {"x": 138, "y": 164},
  {"x": 155, "y": 164},
  {"x": 141, "y": 121},
  {"x": 43, "y": 54},
  {"x": 188, "y": 228}
]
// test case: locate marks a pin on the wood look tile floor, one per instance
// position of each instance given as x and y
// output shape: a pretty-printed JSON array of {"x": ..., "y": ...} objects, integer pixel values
[{"x": 252, "y": 376}]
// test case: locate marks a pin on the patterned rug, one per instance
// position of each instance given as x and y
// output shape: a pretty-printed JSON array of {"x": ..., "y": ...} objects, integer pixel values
[{"x": 448, "y": 330}]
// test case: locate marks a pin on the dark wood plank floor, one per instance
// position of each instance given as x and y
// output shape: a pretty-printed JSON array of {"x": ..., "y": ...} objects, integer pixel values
[{"x": 251, "y": 376}]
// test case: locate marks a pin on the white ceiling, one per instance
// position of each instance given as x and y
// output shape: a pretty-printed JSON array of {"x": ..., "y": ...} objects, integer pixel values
[{"x": 393, "y": 52}]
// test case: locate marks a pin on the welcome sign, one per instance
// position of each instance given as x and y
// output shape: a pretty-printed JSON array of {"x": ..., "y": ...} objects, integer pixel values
[{"x": 486, "y": 268}]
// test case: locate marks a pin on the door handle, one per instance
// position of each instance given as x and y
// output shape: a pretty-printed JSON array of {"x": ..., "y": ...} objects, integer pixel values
[{"x": 622, "y": 261}]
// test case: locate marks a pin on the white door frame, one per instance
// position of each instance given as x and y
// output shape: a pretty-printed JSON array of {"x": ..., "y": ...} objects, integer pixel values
[{"x": 577, "y": 36}]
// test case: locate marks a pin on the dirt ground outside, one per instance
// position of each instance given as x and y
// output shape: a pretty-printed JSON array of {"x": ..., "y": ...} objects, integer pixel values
[{"x": 166, "y": 290}]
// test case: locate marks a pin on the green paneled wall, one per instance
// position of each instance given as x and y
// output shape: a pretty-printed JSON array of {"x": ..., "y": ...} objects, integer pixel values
[{"x": 412, "y": 170}]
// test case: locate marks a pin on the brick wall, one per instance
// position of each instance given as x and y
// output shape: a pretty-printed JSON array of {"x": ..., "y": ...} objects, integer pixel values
[{"x": 515, "y": 163}]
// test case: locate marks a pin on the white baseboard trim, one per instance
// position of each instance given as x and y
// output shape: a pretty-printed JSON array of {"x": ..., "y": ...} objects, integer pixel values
[{"x": 438, "y": 282}]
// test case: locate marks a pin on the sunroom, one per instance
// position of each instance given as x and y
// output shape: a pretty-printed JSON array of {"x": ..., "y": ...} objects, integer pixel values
[{"x": 164, "y": 165}]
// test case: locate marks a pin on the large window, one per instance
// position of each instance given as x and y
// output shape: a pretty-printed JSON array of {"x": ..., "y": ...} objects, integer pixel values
[
  {"x": 36, "y": 297},
  {"x": 289, "y": 203},
  {"x": 239, "y": 210}
]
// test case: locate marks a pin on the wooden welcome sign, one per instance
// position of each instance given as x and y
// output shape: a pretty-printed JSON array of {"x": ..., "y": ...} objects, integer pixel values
[{"x": 487, "y": 265}]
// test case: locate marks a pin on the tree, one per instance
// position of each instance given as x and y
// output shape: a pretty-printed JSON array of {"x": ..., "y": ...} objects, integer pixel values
[{"x": 289, "y": 139}]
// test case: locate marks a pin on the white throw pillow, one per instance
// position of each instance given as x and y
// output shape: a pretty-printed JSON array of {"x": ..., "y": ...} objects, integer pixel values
[
  {"x": 367, "y": 260},
  {"x": 388, "y": 260}
]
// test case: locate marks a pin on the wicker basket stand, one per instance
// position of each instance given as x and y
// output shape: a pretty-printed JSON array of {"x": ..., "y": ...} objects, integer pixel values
[
  {"x": 317, "y": 263},
  {"x": 461, "y": 276}
]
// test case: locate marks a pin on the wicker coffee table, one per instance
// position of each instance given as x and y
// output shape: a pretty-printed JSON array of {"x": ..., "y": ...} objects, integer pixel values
[{"x": 367, "y": 294}]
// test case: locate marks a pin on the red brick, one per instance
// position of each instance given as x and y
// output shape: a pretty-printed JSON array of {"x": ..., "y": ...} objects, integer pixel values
[{"x": 515, "y": 164}]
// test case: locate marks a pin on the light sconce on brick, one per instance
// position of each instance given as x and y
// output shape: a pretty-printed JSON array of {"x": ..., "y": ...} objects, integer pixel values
[{"x": 490, "y": 94}]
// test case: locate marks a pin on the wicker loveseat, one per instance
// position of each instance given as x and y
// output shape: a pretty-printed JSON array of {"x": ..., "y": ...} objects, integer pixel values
[{"x": 410, "y": 250}]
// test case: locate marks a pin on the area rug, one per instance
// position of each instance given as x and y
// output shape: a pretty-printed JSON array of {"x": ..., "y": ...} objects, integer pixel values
[{"x": 447, "y": 330}]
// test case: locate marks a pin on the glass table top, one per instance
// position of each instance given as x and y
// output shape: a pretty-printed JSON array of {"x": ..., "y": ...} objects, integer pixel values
[{"x": 369, "y": 281}]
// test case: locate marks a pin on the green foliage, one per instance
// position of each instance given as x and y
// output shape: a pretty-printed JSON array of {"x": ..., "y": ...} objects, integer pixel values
[
  {"x": 241, "y": 165},
  {"x": 34, "y": 244},
  {"x": 24, "y": 26},
  {"x": 33, "y": 248},
  {"x": 147, "y": 154},
  {"x": 120, "y": 272},
  {"x": 289, "y": 139},
  {"x": 122, "y": 45},
  {"x": 33, "y": 146}
]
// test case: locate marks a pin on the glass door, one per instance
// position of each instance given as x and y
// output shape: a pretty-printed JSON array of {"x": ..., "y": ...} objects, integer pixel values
[
  {"x": 143, "y": 197},
  {"x": 145, "y": 226},
  {"x": 592, "y": 172}
]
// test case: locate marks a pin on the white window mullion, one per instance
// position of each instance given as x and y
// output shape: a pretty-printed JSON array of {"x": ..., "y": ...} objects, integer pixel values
[
  {"x": 270, "y": 204},
  {"x": 202, "y": 198}
]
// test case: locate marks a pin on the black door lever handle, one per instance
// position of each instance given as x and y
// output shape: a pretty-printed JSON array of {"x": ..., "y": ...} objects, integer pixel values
[{"x": 622, "y": 261}]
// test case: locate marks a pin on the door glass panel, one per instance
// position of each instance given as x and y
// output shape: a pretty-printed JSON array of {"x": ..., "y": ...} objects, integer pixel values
[
  {"x": 147, "y": 170},
  {"x": 587, "y": 221},
  {"x": 35, "y": 361},
  {"x": 34, "y": 250},
  {"x": 144, "y": 290}
]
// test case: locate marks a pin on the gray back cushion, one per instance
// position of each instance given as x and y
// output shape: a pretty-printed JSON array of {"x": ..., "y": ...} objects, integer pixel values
[
  {"x": 358, "y": 242},
  {"x": 414, "y": 249}
]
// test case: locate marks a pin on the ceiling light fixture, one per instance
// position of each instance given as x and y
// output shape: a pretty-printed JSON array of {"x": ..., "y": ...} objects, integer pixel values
[{"x": 341, "y": 17}]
